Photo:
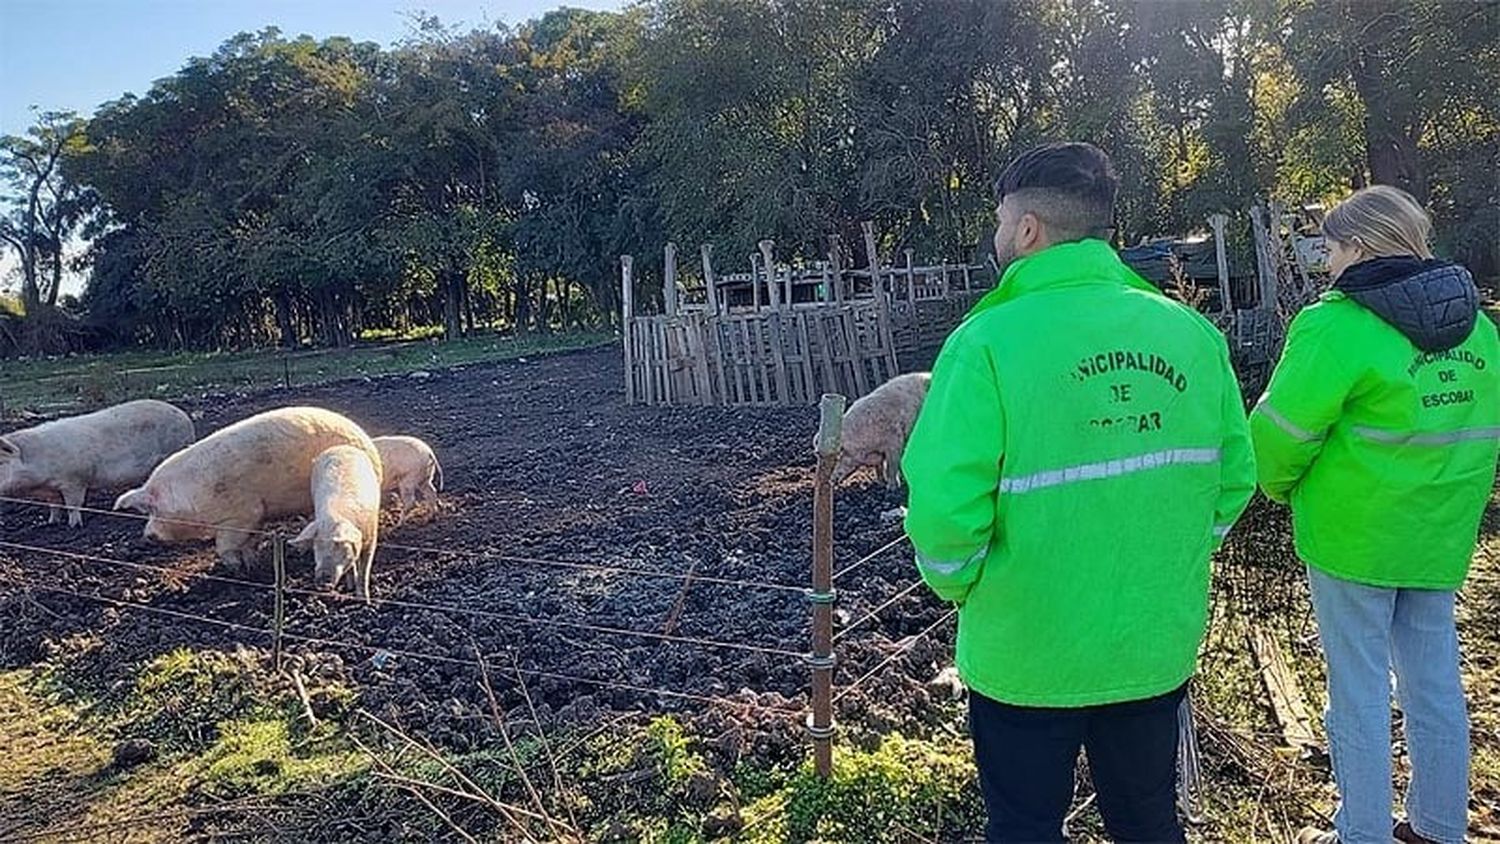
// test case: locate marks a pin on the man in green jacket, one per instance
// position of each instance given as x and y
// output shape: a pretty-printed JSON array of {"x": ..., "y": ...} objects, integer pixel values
[{"x": 1081, "y": 452}]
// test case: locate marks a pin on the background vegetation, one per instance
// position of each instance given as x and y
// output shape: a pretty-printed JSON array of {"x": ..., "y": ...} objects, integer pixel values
[{"x": 293, "y": 191}]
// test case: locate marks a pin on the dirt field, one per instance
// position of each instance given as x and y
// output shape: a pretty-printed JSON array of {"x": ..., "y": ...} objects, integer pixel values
[{"x": 547, "y": 474}]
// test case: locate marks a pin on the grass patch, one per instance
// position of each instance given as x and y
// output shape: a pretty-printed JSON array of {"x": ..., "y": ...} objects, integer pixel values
[
  {"x": 89, "y": 381},
  {"x": 905, "y": 789}
]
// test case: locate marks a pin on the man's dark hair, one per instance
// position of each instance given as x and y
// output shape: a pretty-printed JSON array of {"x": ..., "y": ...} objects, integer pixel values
[{"x": 1069, "y": 186}]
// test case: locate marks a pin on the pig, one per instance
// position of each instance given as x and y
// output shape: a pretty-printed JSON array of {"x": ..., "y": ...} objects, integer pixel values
[
  {"x": 877, "y": 425},
  {"x": 346, "y": 518},
  {"x": 115, "y": 447},
  {"x": 226, "y": 485},
  {"x": 409, "y": 467}
]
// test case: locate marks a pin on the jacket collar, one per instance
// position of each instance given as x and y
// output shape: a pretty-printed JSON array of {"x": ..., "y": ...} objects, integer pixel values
[{"x": 1062, "y": 265}]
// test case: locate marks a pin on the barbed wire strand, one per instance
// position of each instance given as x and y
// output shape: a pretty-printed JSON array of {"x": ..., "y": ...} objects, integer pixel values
[
  {"x": 905, "y": 646},
  {"x": 870, "y": 556},
  {"x": 419, "y": 605},
  {"x": 317, "y": 640},
  {"x": 884, "y": 605},
  {"x": 448, "y": 552}
]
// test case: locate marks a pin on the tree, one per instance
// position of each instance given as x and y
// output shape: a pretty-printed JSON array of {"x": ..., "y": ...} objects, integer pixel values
[{"x": 41, "y": 207}]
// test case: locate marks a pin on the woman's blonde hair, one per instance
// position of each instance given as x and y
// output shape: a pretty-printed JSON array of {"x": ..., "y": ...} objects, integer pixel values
[{"x": 1382, "y": 222}]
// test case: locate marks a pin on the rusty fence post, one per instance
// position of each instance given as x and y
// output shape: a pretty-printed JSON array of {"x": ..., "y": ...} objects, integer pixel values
[
  {"x": 822, "y": 595},
  {"x": 278, "y": 563}
]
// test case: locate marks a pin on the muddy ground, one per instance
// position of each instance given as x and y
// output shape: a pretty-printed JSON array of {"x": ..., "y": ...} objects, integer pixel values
[{"x": 544, "y": 464}]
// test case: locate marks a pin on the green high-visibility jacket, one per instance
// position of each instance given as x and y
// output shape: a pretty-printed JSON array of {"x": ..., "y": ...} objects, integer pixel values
[
  {"x": 1386, "y": 453},
  {"x": 1081, "y": 452}
]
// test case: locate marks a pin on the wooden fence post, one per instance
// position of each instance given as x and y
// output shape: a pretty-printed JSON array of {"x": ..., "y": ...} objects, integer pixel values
[
  {"x": 773, "y": 287},
  {"x": 822, "y": 596},
  {"x": 868, "y": 229},
  {"x": 755, "y": 280},
  {"x": 627, "y": 320},
  {"x": 911, "y": 275},
  {"x": 669, "y": 280},
  {"x": 710, "y": 287},
  {"x": 278, "y": 564},
  {"x": 836, "y": 266},
  {"x": 1218, "y": 221}
]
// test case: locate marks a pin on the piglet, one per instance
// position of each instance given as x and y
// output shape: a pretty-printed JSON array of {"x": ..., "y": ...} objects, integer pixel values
[
  {"x": 877, "y": 425},
  {"x": 409, "y": 466},
  {"x": 346, "y": 518},
  {"x": 227, "y": 484},
  {"x": 114, "y": 447}
]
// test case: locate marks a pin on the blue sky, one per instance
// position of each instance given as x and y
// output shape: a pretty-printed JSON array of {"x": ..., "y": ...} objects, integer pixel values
[{"x": 76, "y": 54}]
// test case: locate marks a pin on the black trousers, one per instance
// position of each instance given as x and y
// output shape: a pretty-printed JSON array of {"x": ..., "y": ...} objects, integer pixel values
[{"x": 1027, "y": 755}]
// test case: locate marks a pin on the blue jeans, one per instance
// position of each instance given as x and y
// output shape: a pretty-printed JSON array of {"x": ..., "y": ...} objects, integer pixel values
[{"x": 1366, "y": 631}]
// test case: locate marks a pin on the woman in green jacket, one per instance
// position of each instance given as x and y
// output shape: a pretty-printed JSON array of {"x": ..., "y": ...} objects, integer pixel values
[{"x": 1381, "y": 427}]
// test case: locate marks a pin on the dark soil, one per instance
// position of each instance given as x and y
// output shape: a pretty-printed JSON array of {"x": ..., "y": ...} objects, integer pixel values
[{"x": 542, "y": 460}]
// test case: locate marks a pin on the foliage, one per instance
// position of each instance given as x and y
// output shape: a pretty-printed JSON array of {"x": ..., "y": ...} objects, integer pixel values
[
  {"x": 922, "y": 790},
  {"x": 298, "y": 191}
]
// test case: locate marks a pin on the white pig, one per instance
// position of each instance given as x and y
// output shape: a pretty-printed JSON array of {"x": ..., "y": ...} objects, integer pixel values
[
  {"x": 224, "y": 486},
  {"x": 877, "y": 425},
  {"x": 409, "y": 466},
  {"x": 114, "y": 447},
  {"x": 346, "y": 517}
]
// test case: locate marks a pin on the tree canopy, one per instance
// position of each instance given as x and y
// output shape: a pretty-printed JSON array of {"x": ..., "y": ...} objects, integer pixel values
[{"x": 291, "y": 190}]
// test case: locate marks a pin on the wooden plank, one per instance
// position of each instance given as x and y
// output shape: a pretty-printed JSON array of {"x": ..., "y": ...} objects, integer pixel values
[
  {"x": 851, "y": 331},
  {"x": 698, "y": 350},
  {"x": 1287, "y": 702},
  {"x": 751, "y": 396},
  {"x": 715, "y": 356},
  {"x": 809, "y": 381},
  {"x": 776, "y": 334},
  {"x": 627, "y": 317},
  {"x": 825, "y": 353}
]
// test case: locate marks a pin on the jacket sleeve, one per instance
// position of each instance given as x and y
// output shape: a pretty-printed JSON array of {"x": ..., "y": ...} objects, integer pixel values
[
  {"x": 952, "y": 468},
  {"x": 1305, "y": 398},
  {"x": 1237, "y": 456}
]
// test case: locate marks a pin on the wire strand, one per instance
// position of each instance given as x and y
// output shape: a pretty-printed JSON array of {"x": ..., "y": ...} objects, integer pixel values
[
  {"x": 448, "y": 552},
  {"x": 870, "y": 556},
  {"x": 884, "y": 605},
  {"x": 905, "y": 646},
  {"x": 419, "y": 605},
  {"x": 316, "y": 640}
]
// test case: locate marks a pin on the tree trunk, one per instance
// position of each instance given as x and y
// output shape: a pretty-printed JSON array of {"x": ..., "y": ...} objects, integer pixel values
[
  {"x": 284, "y": 321},
  {"x": 453, "y": 327},
  {"x": 523, "y": 305},
  {"x": 57, "y": 259}
]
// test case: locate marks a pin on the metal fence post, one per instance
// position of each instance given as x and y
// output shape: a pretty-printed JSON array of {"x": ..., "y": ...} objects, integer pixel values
[{"x": 822, "y": 595}]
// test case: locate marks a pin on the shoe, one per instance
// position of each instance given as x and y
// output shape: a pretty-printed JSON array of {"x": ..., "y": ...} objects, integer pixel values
[
  {"x": 1406, "y": 835},
  {"x": 1313, "y": 835}
]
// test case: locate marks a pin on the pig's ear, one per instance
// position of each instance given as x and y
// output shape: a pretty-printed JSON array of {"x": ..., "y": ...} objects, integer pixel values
[
  {"x": 307, "y": 535},
  {"x": 138, "y": 499},
  {"x": 9, "y": 450}
]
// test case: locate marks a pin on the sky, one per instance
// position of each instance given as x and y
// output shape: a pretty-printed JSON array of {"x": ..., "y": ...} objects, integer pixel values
[{"x": 75, "y": 54}]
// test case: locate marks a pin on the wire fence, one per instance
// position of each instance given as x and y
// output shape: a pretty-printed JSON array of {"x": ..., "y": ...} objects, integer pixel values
[{"x": 690, "y": 577}]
